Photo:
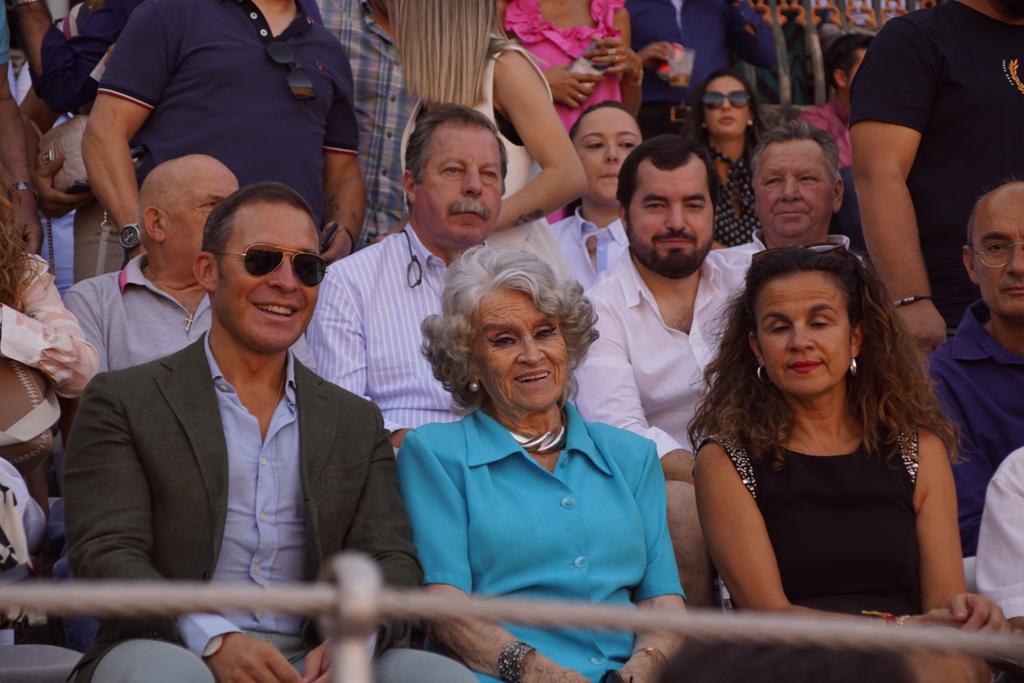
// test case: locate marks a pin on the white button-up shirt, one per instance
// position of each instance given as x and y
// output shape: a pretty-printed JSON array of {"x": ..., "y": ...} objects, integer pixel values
[
  {"x": 572, "y": 232},
  {"x": 365, "y": 334},
  {"x": 1000, "y": 564},
  {"x": 641, "y": 374}
]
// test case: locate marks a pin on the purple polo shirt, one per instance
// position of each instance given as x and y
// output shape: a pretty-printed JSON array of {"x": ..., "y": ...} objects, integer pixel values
[
  {"x": 202, "y": 69},
  {"x": 981, "y": 385}
]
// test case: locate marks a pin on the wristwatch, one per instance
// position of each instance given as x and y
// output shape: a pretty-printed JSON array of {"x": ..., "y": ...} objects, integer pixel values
[{"x": 130, "y": 236}]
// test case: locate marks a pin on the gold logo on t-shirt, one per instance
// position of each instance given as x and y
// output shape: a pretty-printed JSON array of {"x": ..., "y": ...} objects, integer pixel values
[{"x": 1012, "y": 69}]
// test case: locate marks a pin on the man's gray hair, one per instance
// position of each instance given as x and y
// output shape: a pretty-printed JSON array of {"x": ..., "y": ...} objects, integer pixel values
[
  {"x": 436, "y": 115},
  {"x": 481, "y": 271},
  {"x": 795, "y": 131}
]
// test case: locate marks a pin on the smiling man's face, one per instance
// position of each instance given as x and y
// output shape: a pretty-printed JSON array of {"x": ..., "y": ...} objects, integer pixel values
[{"x": 264, "y": 314}]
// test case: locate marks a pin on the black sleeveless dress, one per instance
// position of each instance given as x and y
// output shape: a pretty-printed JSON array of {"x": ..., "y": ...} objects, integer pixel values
[{"x": 843, "y": 528}]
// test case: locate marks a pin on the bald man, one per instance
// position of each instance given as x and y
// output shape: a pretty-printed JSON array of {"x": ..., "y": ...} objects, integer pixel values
[
  {"x": 979, "y": 373},
  {"x": 154, "y": 306}
]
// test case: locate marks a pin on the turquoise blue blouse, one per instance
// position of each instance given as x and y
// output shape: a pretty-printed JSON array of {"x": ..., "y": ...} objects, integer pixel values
[{"x": 488, "y": 519}]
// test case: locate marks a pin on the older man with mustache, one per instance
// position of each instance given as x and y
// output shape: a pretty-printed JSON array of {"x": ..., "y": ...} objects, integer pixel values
[{"x": 365, "y": 334}]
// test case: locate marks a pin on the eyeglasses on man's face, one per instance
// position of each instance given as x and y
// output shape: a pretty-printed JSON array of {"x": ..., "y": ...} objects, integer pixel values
[
  {"x": 261, "y": 260},
  {"x": 996, "y": 253}
]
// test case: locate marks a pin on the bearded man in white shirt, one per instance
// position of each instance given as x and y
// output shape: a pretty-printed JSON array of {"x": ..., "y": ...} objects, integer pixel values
[
  {"x": 365, "y": 334},
  {"x": 658, "y": 313}
]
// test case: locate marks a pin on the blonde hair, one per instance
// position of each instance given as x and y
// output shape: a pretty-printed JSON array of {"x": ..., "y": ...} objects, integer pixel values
[{"x": 444, "y": 46}]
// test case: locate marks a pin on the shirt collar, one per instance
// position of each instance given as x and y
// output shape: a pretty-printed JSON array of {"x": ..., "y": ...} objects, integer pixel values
[
  {"x": 300, "y": 24},
  {"x": 371, "y": 24},
  {"x": 488, "y": 442},
  {"x": 585, "y": 227},
  {"x": 222, "y": 384},
  {"x": 973, "y": 342},
  {"x": 425, "y": 256},
  {"x": 634, "y": 288},
  {"x": 132, "y": 273}
]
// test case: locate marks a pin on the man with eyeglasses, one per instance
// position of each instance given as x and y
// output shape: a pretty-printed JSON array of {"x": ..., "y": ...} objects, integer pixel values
[
  {"x": 366, "y": 335},
  {"x": 257, "y": 84},
  {"x": 979, "y": 373},
  {"x": 230, "y": 461}
]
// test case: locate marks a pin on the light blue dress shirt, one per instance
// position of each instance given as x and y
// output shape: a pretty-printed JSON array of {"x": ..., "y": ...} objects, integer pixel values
[
  {"x": 264, "y": 531},
  {"x": 489, "y": 520}
]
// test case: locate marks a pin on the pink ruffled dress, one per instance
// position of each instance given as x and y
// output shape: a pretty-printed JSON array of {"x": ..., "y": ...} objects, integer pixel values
[{"x": 552, "y": 46}]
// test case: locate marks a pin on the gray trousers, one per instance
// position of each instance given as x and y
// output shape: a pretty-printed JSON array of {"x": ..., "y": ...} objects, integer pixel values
[{"x": 156, "y": 661}]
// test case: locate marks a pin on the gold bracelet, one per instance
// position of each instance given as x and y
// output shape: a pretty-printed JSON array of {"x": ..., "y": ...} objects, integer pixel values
[{"x": 656, "y": 653}]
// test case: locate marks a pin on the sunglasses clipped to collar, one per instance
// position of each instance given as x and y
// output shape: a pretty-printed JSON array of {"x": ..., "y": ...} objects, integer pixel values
[
  {"x": 737, "y": 99},
  {"x": 261, "y": 260},
  {"x": 299, "y": 81}
]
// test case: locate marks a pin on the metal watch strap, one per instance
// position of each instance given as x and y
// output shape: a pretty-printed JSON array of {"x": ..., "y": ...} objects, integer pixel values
[{"x": 510, "y": 661}]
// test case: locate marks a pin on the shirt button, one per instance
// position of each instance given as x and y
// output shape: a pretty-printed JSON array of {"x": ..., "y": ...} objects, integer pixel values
[
  {"x": 263, "y": 516},
  {"x": 258, "y": 615},
  {"x": 388, "y": 135},
  {"x": 597, "y": 660},
  {"x": 253, "y": 15},
  {"x": 263, "y": 32},
  {"x": 384, "y": 173},
  {"x": 392, "y": 98},
  {"x": 568, "y": 502},
  {"x": 581, "y": 562},
  {"x": 256, "y": 569},
  {"x": 263, "y": 461}
]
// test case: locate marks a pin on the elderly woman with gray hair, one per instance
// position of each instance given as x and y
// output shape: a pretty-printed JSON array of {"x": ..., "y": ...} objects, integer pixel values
[{"x": 522, "y": 498}]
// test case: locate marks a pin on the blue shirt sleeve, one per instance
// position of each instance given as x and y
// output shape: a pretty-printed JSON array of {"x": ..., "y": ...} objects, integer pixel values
[
  {"x": 66, "y": 83},
  {"x": 749, "y": 35},
  {"x": 662, "y": 575},
  {"x": 342, "y": 130},
  {"x": 974, "y": 471},
  {"x": 5, "y": 39},
  {"x": 437, "y": 510},
  {"x": 146, "y": 55}
]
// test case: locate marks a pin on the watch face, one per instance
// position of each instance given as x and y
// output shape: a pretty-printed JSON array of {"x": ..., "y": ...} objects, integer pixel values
[{"x": 130, "y": 236}]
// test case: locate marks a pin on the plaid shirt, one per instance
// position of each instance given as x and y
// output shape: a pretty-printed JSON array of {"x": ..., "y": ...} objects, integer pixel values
[{"x": 382, "y": 109}]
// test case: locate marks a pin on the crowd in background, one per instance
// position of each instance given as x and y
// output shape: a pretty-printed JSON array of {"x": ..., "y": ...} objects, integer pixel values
[{"x": 531, "y": 298}]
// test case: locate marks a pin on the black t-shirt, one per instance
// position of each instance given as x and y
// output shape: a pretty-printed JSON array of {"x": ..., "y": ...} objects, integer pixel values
[{"x": 957, "y": 77}]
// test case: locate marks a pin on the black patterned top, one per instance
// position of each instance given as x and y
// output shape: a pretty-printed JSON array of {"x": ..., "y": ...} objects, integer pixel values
[{"x": 735, "y": 215}]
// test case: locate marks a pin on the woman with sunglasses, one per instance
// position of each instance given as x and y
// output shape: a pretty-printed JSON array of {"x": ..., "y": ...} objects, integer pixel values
[
  {"x": 724, "y": 119},
  {"x": 823, "y": 480},
  {"x": 451, "y": 53}
]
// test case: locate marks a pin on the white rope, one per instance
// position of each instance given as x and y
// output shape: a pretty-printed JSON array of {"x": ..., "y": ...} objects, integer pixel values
[{"x": 139, "y": 599}]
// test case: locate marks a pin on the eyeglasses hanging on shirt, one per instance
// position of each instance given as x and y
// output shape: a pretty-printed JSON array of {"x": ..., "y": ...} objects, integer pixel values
[
  {"x": 414, "y": 271},
  {"x": 299, "y": 81}
]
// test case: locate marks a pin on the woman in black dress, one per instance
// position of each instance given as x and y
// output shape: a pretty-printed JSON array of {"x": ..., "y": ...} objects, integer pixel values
[{"x": 824, "y": 478}]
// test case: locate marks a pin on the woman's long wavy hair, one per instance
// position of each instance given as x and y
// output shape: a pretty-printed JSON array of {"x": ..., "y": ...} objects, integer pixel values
[
  {"x": 14, "y": 263},
  {"x": 890, "y": 395}
]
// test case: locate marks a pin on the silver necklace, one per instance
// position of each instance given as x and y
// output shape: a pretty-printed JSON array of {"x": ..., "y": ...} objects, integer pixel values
[{"x": 542, "y": 443}]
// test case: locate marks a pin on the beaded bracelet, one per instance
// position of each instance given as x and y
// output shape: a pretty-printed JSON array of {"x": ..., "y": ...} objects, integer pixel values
[{"x": 510, "y": 661}]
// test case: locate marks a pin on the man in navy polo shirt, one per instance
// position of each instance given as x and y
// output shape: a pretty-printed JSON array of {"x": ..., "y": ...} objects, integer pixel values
[
  {"x": 979, "y": 373},
  {"x": 254, "y": 83}
]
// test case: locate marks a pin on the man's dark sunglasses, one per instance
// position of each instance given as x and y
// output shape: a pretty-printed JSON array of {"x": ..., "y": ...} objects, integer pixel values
[
  {"x": 263, "y": 259},
  {"x": 737, "y": 98},
  {"x": 299, "y": 81}
]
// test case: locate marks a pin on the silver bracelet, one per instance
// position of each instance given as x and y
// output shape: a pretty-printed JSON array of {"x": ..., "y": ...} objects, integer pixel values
[{"x": 510, "y": 661}]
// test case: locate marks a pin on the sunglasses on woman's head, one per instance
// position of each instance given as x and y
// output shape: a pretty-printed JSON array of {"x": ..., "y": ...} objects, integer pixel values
[
  {"x": 261, "y": 260},
  {"x": 714, "y": 100},
  {"x": 299, "y": 81},
  {"x": 820, "y": 248}
]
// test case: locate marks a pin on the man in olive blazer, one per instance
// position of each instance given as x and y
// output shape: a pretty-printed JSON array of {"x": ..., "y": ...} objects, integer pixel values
[{"x": 147, "y": 472}]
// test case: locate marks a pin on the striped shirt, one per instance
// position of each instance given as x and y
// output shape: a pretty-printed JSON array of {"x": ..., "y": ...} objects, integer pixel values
[
  {"x": 365, "y": 334},
  {"x": 382, "y": 108}
]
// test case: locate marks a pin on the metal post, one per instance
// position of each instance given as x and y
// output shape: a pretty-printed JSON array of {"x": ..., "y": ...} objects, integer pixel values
[{"x": 359, "y": 584}]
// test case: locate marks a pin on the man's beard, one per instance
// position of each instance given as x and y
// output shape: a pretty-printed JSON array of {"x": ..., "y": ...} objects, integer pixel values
[{"x": 674, "y": 264}]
